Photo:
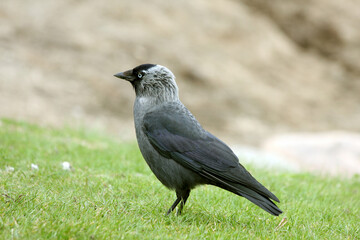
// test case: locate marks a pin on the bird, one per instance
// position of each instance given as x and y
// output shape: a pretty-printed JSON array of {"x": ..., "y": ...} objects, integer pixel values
[{"x": 178, "y": 150}]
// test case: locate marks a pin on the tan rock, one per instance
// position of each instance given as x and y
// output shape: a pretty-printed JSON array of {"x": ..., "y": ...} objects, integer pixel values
[
  {"x": 239, "y": 71},
  {"x": 329, "y": 153}
]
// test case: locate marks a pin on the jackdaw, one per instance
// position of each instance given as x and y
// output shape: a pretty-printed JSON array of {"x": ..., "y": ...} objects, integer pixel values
[{"x": 178, "y": 150}]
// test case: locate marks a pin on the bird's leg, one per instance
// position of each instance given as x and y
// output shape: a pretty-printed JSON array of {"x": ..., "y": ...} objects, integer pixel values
[
  {"x": 178, "y": 199},
  {"x": 184, "y": 197}
]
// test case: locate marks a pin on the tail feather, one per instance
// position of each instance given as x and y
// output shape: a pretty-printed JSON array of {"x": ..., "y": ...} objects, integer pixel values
[
  {"x": 265, "y": 204},
  {"x": 259, "y": 199},
  {"x": 256, "y": 196}
]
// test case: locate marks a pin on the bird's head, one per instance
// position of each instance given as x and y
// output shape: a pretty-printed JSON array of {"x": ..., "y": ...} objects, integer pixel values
[{"x": 152, "y": 80}]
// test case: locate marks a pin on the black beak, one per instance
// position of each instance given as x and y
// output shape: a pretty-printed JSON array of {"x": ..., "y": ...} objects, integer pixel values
[{"x": 127, "y": 75}]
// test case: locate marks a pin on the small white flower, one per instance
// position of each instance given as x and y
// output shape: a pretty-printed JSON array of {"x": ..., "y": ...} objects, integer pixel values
[
  {"x": 66, "y": 166},
  {"x": 34, "y": 167},
  {"x": 9, "y": 169}
]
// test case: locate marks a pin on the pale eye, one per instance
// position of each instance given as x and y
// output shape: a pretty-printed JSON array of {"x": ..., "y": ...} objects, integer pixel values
[{"x": 141, "y": 74}]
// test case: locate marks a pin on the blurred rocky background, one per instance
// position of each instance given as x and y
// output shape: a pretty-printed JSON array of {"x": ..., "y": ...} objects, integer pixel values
[{"x": 248, "y": 70}]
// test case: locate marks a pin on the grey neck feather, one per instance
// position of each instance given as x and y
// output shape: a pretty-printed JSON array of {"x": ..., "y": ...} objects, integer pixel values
[{"x": 158, "y": 86}]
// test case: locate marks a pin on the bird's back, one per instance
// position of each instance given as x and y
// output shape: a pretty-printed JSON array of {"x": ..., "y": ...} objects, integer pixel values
[{"x": 170, "y": 173}]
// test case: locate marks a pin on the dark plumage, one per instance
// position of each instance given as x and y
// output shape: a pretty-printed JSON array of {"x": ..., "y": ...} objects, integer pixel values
[{"x": 178, "y": 150}]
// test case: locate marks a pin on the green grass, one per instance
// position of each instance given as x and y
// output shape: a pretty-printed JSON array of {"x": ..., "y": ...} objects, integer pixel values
[{"x": 112, "y": 194}]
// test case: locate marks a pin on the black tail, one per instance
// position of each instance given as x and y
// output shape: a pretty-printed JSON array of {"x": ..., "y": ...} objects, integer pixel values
[
  {"x": 259, "y": 196},
  {"x": 262, "y": 201}
]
